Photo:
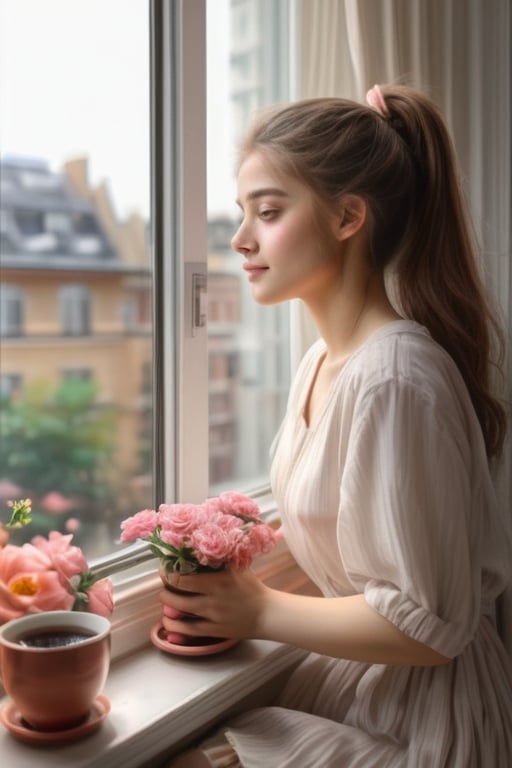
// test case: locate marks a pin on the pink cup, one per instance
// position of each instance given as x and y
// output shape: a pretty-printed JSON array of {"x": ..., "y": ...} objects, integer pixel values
[{"x": 55, "y": 687}]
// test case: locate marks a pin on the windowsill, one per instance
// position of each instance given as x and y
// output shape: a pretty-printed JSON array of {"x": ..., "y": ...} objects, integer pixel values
[{"x": 160, "y": 702}]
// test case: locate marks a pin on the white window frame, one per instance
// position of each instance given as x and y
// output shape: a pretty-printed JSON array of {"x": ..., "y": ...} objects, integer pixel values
[{"x": 179, "y": 248}]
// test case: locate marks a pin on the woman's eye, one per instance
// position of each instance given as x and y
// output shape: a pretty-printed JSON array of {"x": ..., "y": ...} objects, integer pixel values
[{"x": 267, "y": 214}]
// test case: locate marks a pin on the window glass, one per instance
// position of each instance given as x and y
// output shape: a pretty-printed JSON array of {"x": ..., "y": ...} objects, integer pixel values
[
  {"x": 77, "y": 372},
  {"x": 247, "y": 344},
  {"x": 74, "y": 304},
  {"x": 75, "y": 309},
  {"x": 11, "y": 310}
]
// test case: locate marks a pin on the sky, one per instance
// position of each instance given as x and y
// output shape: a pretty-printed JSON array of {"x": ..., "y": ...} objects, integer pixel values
[{"x": 74, "y": 82}]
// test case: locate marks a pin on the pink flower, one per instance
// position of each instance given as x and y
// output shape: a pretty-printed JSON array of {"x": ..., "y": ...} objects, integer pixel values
[
  {"x": 32, "y": 592},
  {"x": 226, "y": 522},
  {"x": 181, "y": 518},
  {"x": 259, "y": 540},
  {"x": 211, "y": 545},
  {"x": 101, "y": 597},
  {"x": 51, "y": 595},
  {"x": 67, "y": 560},
  {"x": 139, "y": 525},
  {"x": 72, "y": 524},
  {"x": 47, "y": 574},
  {"x": 263, "y": 539},
  {"x": 55, "y": 503},
  {"x": 43, "y": 576},
  {"x": 234, "y": 503},
  {"x": 26, "y": 558},
  {"x": 175, "y": 539},
  {"x": 191, "y": 537}
]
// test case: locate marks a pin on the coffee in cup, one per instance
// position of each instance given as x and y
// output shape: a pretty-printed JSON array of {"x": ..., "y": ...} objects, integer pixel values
[{"x": 53, "y": 665}]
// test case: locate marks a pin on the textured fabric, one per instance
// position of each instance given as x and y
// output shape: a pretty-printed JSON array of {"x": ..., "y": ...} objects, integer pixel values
[
  {"x": 387, "y": 493},
  {"x": 216, "y": 752},
  {"x": 208, "y": 757}
]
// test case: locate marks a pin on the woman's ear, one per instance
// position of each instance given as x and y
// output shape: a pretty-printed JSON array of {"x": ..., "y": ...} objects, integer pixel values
[{"x": 351, "y": 216}]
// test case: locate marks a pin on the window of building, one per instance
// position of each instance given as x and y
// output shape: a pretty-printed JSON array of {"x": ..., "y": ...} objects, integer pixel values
[
  {"x": 58, "y": 222},
  {"x": 30, "y": 222},
  {"x": 75, "y": 310},
  {"x": 11, "y": 310}
]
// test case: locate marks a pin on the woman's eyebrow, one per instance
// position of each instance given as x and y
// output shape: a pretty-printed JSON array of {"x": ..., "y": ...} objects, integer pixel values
[{"x": 263, "y": 192}]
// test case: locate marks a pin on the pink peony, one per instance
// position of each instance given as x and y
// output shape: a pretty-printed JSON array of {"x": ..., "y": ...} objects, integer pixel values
[
  {"x": 32, "y": 592},
  {"x": 66, "y": 559},
  {"x": 26, "y": 558},
  {"x": 41, "y": 576},
  {"x": 139, "y": 525},
  {"x": 101, "y": 597}
]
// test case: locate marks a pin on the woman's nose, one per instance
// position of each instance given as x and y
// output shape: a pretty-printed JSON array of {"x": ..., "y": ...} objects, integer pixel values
[{"x": 242, "y": 242}]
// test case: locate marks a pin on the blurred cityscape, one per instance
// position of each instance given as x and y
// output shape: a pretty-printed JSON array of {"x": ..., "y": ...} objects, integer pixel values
[{"x": 76, "y": 346}]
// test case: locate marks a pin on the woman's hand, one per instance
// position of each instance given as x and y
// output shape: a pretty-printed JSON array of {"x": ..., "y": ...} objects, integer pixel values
[
  {"x": 236, "y": 604},
  {"x": 226, "y": 603}
]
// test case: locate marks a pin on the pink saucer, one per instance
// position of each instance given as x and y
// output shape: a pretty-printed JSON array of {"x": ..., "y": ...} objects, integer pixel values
[
  {"x": 11, "y": 718},
  {"x": 158, "y": 639}
]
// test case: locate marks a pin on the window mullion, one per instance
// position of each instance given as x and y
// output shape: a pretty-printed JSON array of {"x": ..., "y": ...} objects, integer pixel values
[{"x": 180, "y": 247}]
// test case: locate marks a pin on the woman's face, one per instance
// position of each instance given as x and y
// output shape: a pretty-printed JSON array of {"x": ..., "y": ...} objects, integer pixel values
[{"x": 286, "y": 255}]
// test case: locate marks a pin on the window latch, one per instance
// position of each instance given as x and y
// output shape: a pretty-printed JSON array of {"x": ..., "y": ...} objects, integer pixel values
[{"x": 199, "y": 301}]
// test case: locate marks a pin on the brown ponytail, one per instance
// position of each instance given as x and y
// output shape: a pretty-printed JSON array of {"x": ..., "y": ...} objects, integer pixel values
[
  {"x": 438, "y": 278},
  {"x": 403, "y": 164}
]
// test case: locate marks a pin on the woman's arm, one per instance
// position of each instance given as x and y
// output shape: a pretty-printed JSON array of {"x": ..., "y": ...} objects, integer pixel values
[{"x": 238, "y": 604}]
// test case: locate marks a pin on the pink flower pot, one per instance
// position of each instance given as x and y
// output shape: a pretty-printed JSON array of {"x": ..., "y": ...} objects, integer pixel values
[{"x": 186, "y": 645}]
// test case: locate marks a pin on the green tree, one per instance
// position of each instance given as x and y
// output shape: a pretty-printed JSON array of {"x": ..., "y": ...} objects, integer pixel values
[{"x": 60, "y": 441}]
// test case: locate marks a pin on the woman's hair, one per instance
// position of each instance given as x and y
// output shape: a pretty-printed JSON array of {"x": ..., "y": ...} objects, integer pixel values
[{"x": 402, "y": 162}]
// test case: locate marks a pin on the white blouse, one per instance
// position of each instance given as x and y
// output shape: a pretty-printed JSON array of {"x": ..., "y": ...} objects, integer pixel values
[{"x": 388, "y": 493}]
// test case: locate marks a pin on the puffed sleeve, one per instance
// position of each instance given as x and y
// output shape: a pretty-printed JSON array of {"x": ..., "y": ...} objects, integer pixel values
[{"x": 406, "y": 525}]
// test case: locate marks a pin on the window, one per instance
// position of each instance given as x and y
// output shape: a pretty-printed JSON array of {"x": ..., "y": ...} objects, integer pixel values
[
  {"x": 11, "y": 310},
  {"x": 58, "y": 222},
  {"x": 191, "y": 410},
  {"x": 247, "y": 344},
  {"x": 30, "y": 222},
  {"x": 74, "y": 214},
  {"x": 74, "y": 304}
]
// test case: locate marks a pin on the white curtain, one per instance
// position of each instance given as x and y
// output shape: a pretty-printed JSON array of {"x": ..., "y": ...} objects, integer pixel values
[{"x": 458, "y": 51}]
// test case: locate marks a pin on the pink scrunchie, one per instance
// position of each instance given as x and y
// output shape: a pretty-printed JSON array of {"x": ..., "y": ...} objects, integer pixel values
[{"x": 376, "y": 101}]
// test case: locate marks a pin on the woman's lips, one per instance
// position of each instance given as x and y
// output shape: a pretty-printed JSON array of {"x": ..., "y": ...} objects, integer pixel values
[{"x": 253, "y": 270}]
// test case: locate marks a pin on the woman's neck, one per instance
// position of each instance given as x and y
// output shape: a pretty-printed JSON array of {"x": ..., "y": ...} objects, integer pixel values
[{"x": 350, "y": 314}]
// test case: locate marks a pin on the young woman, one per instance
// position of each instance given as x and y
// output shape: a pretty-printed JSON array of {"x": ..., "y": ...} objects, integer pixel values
[{"x": 381, "y": 468}]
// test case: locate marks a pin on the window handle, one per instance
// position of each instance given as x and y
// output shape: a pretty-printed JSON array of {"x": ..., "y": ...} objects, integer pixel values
[{"x": 199, "y": 301}]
